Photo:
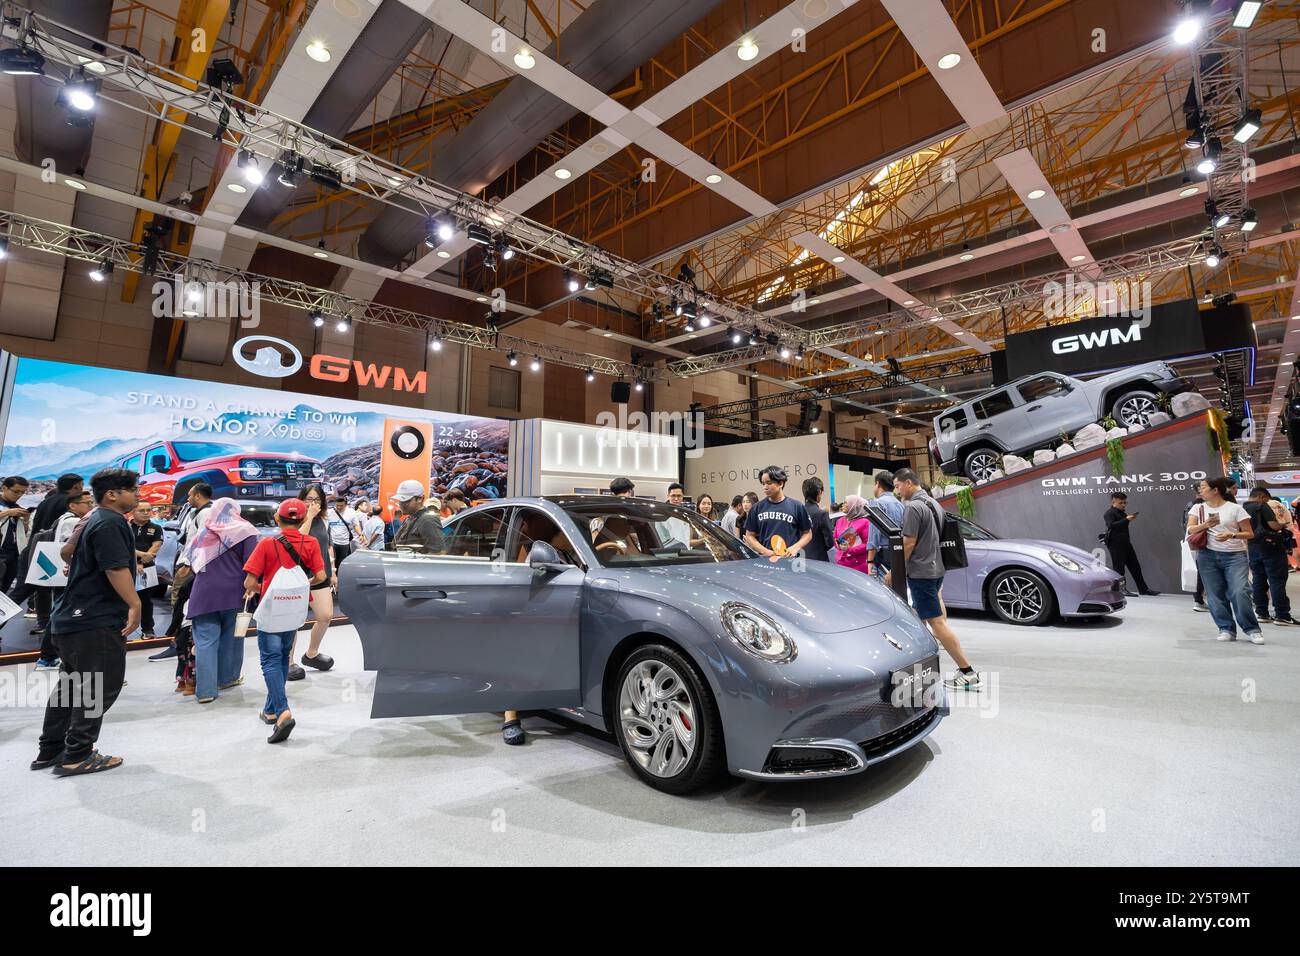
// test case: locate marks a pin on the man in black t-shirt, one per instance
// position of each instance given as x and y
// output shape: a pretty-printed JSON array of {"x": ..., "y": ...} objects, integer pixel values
[
  {"x": 777, "y": 521},
  {"x": 90, "y": 623},
  {"x": 1268, "y": 566},
  {"x": 1122, "y": 556},
  {"x": 822, "y": 541}
]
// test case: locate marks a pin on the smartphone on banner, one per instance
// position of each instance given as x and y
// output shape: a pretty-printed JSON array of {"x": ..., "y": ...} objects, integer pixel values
[{"x": 406, "y": 452}]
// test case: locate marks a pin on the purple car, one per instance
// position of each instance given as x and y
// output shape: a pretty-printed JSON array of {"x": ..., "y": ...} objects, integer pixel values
[{"x": 1027, "y": 582}]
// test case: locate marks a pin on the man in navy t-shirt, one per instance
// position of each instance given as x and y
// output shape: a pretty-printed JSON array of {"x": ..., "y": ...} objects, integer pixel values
[{"x": 777, "y": 525}]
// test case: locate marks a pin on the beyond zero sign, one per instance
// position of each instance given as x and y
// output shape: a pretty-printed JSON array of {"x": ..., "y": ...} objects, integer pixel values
[{"x": 276, "y": 358}]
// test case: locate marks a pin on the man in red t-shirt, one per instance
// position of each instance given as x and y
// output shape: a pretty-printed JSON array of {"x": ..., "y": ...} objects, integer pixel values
[{"x": 269, "y": 556}]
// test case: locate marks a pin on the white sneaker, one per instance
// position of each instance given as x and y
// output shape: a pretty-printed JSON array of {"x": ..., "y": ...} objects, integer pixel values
[
  {"x": 1256, "y": 638},
  {"x": 1226, "y": 636},
  {"x": 960, "y": 681},
  {"x": 1198, "y": 606}
]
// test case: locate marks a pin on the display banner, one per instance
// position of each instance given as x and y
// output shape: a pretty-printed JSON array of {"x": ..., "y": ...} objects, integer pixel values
[
  {"x": 251, "y": 444},
  {"x": 724, "y": 471},
  {"x": 1172, "y": 330},
  {"x": 1066, "y": 501}
]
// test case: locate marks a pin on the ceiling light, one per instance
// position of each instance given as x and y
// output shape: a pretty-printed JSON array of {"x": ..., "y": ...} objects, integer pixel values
[
  {"x": 640, "y": 386},
  {"x": 966, "y": 256},
  {"x": 1249, "y": 220},
  {"x": 247, "y": 163},
  {"x": 320, "y": 252},
  {"x": 512, "y": 358},
  {"x": 1078, "y": 258},
  {"x": 478, "y": 233},
  {"x": 535, "y": 365},
  {"x": 713, "y": 179},
  {"x": 1036, "y": 193},
  {"x": 318, "y": 51},
  {"x": 480, "y": 298},
  {"x": 837, "y": 259},
  {"x": 1210, "y": 160},
  {"x": 1243, "y": 17},
  {"x": 1213, "y": 256},
  {"x": 79, "y": 93},
  {"x": 287, "y": 176},
  {"x": 747, "y": 49},
  {"x": 435, "y": 344},
  {"x": 1187, "y": 29},
  {"x": 563, "y": 173},
  {"x": 317, "y": 317},
  {"x": 525, "y": 59},
  {"x": 1195, "y": 139},
  {"x": 949, "y": 60},
  {"x": 22, "y": 62},
  {"x": 736, "y": 338},
  {"x": 753, "y": 337},
  {"x": 102, "y": 271},
  {"x": 705, "y": 321},
  {"x": 1187, "y": 191},
  {"x": 814, "y": 301},
  {"x": 571, "y": 281},
  {"x": 1222, "y": 220},
  {"x": 909, "y": 302},
  {"x": 343, "y": 325},
  {"x": 237, "y": 188},
  {"x": 591, "y": 376},
  {"x": 396, "y": 181},
  {"x": 1247, "y": 126},
  {"x": 75, "y": 183},
  {"x": 785, "y": 352}
]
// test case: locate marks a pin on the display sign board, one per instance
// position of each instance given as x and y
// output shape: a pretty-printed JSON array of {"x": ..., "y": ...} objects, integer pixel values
[
  {"x": 1172, "y": 330},
  {"x": 1066, "y": 501},
  {"x": 727, "y": 470},
  {"x": 251, "y": 444}
]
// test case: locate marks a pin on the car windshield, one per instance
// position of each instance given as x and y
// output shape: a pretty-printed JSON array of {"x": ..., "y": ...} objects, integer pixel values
[
  {"x": 973, "y": 532},
  {"x": 198, "y": 450},
  {"x": 633, "y": 534}
]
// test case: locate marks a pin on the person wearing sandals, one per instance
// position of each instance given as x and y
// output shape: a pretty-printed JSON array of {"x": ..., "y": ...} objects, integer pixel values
[
  {"x": 217, "y": 556},
  {"x": 98, "y": 608},
  {"x": 316, "y": 526},
  {"x": 269, "y": 556}
]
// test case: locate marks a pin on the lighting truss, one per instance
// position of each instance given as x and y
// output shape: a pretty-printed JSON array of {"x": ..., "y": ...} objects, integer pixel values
[
  {"x": 92, "y": 247},
  {"x": 169, "y": 97},
  {"x": 1176, "y": 254},
  {"x": 772, "y": 430},
  {"x": 848, "y": 387},
  {"x": 1219, "y": 75}
]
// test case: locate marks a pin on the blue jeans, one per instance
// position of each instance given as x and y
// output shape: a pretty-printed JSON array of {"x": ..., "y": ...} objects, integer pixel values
[
  {"x": 218, "y": 654},
  {"x": 1268, "y": 571},
  {"x": 1227, "y": 589},
  {"x": 275, "y": 650}
]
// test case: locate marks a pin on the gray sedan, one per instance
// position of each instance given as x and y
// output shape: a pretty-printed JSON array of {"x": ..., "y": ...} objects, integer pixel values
[{"x": 651, "y": 623}]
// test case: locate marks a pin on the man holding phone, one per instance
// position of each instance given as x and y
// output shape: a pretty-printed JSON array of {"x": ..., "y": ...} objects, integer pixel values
[
  {"x": 15, "y": 523},
  {"x": 1122, "y": 556}
]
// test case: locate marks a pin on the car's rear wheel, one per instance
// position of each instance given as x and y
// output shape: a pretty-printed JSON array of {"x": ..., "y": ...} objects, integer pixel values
[
  {"x": 1021, "y": 597},
  {"x": 668, "y": 723},
  {"x": 980, "y": 463},
  {"x": 1135, "y": 408}
]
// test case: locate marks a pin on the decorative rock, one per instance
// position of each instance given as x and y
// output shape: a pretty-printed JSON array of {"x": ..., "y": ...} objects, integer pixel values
[
  {"x": 1014, "y": 463},
  {"x": 1187, "y": 403},
  {"x": 1116, "y": 433},
  {"x": 1089, "y": 436},
  {"x": 953, "y": 489},
  {"x": 1157, "y": 418},
  {"x": 996, "y": 474},
  {"x": 1044, "y": 456},
  {"x": 1064, "y": 449}
]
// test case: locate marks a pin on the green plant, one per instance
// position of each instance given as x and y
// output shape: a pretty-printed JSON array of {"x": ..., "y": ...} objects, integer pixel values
[
  {"x": 1115, "y": 455},
  {"x": 1109, "y": 422},
  {"x": 1165, "y": 402},
  {"x": 966, "y": 503},
  {"x": 1065, "y": 437}
]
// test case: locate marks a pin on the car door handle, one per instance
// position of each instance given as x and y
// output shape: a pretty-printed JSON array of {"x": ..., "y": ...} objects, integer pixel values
[
  {"x": 984, "y": 428},
  {"x": 369, "y": 582},
  {"x": 424, "y": 594},
  {"x": 1033, "y": 408}
]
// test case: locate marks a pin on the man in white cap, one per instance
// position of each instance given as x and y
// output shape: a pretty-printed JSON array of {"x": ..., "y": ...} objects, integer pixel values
[{"x": 420, "y": 530}]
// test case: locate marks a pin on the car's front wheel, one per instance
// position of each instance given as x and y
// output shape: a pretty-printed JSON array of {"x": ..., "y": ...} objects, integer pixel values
[
  {"x": 1021, "y": 597},
  {"x": 668, "y": 723},
  {"x": 1135, "y": 408},
  {"x": 980, "y": 463}
]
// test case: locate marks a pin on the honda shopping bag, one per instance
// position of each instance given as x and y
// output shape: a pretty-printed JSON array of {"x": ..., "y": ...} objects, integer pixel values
[
  {"x": 285, "y": 603},
  {"x": 46, "y": 569},
  {"x": 1188, "y": 568}
]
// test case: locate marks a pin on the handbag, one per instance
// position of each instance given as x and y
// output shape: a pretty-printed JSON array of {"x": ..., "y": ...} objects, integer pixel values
[
  {"x": 244, "y": 620},
  {"x": 1199, "y": 540},
  {"x": 952, "y": 546}
]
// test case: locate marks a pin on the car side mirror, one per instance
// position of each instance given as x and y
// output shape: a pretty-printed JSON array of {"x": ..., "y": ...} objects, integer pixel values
[
  {"x": 544, "y": 557},
  {"x": 157, "y": 463}
]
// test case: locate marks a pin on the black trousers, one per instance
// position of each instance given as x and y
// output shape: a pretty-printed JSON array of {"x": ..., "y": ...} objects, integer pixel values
[
  {"x": 341, "y": 551},
  {"x": 9, "y": 561},
  {"x": 1124, "y": 558},
  {"x": 90, "y": 678}
]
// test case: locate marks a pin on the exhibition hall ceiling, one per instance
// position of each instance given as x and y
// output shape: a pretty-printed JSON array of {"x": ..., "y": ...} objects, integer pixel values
[{"x": 870, "y": 180}]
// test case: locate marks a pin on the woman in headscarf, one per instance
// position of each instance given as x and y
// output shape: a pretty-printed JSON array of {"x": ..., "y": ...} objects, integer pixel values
[
  {"x": 218, "y": 554},
  {"x": 851, "y": 530}
]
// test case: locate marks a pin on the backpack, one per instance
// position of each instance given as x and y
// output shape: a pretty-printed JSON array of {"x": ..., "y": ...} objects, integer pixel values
[
  {"x": 952, "y": 546},
  {"x": 287, "y": 598}
]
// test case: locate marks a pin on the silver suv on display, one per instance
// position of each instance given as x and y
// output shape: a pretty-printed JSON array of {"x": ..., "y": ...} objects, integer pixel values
[{"x": 1032, "y": 412}]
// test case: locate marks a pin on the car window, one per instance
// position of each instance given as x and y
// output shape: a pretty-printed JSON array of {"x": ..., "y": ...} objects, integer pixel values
[
  {"x": 953, "y": 419},
  {"x": 156, "y": 459},
  {"x": 476, "y": 534},
  {"x": 994, "y": 404},
  {"x": 1042, "y": 387},
  {"x": 632, "y": 534},
  {"x": 133, "y": 463},
  {"x": 970, "y": 531},
  {"x": 535, "y": 525},
  {"x": 198, "y": 450}
]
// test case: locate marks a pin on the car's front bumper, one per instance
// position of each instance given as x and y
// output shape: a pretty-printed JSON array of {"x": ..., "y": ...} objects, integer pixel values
[{"x": 1101, "y": 594}]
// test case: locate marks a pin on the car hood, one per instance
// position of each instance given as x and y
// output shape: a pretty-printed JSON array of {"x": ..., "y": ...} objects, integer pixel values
[
  {"x": 813, "y": 596},
  {"x": 1036, "y": 547}
]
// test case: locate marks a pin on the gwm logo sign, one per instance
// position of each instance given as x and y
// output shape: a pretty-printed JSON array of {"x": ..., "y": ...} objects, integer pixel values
[
  {"x": 1085, "y": 341},
  {"x": 276, "y": 358}
]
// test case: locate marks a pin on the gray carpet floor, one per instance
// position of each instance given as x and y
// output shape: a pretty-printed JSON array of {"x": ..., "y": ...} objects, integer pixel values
[{"x": 1135, "y": 741}]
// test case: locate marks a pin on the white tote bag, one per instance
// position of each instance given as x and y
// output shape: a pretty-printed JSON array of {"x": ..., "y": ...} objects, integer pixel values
[
  {"x": 46, "y": 569},
  {"x": 1188, "y": 568},
  {"x": 284, "y": 605},
  {"x": 8, "y": 608}
]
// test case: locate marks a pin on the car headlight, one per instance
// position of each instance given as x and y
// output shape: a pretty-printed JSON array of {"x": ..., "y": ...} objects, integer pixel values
[
  {"x": 250, "y": 468},
  {"x": 757, "y": 633},
  {"x": 317, "y": 470},
  {"x": 1063, "y": 561}
]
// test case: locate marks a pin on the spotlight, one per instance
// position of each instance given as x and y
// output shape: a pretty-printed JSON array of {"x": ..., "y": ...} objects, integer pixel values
[
  {"x": 591, "y": 376},
  {"x": 435, "y": 344},
  {"x": 657, "y": 311},
  {"x": 22, "y": 61},
  {"x": 1249, "y": 220},
  {"x": 675, "y": 306},
  {"x": 1188, "y": 28},
  {"x": 512, "y": 358},
  {"x": 1195, "y": 137},
  {"x": 320, "y": 252},
  {"x": 1210, "y": 160},
  {"x": 1244, "y": 13},
  {"x": 785, "y": 352},
  {"x": 343, "y": 325},
  {"x": 525, "y": 59},
  {"x": 690, "y": 325},
  {"x": 317, "y": 317},
  {"x": 4, "y": 247},
  {"x": 476, "y": 232},
  {"x": 603, "y": 279},
  {"x": 571, "y": 281},
  {"x": 705, "y": 321},
  {"x": 79, "y": 93},
  {"x": 288, "y": 173},
  {"x": 1247, "y": 126},
  {"x": 247, "y": 162},
  {"x": 504, "y": 250},
  {"x": 686, "y": 274},
  {"x": 753, "y": 337},
  {"x": 102, "y": 271},
  {"x": 535, "y": 365},
  {"x": 1213, "y": 257},
  {"x": 1221, "y": 300},
  {"x": 736, "y": 338},
  {"x": 639, "y": 386},
  {"x": 747, "y": 50},
  {"x": 590, "y": 282},
  {"x": 688, "y": 309}
]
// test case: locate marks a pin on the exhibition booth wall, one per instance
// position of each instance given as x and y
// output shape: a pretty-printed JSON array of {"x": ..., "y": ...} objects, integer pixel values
[
  {"x": 557, "y": 458},
  {"x": 727, "y": 470}
]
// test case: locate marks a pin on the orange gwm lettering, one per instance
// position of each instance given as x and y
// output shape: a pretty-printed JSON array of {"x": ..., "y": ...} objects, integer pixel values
[
  {"x": 329, "y": 368},
  {"x": 402, "y": 383},
  {"x": 367, "y": 374}
]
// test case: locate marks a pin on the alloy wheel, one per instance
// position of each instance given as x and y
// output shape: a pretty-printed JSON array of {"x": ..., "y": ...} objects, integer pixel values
[
  {"x": 980, "y": 465},
  {"x": 1019, "y": 597},
  {"x": 1136, "y": 410},
  {"x": 658, "y": 718}
]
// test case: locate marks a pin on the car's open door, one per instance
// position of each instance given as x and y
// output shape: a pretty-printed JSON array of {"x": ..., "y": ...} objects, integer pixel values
[{"x": 464, "y": 633}]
